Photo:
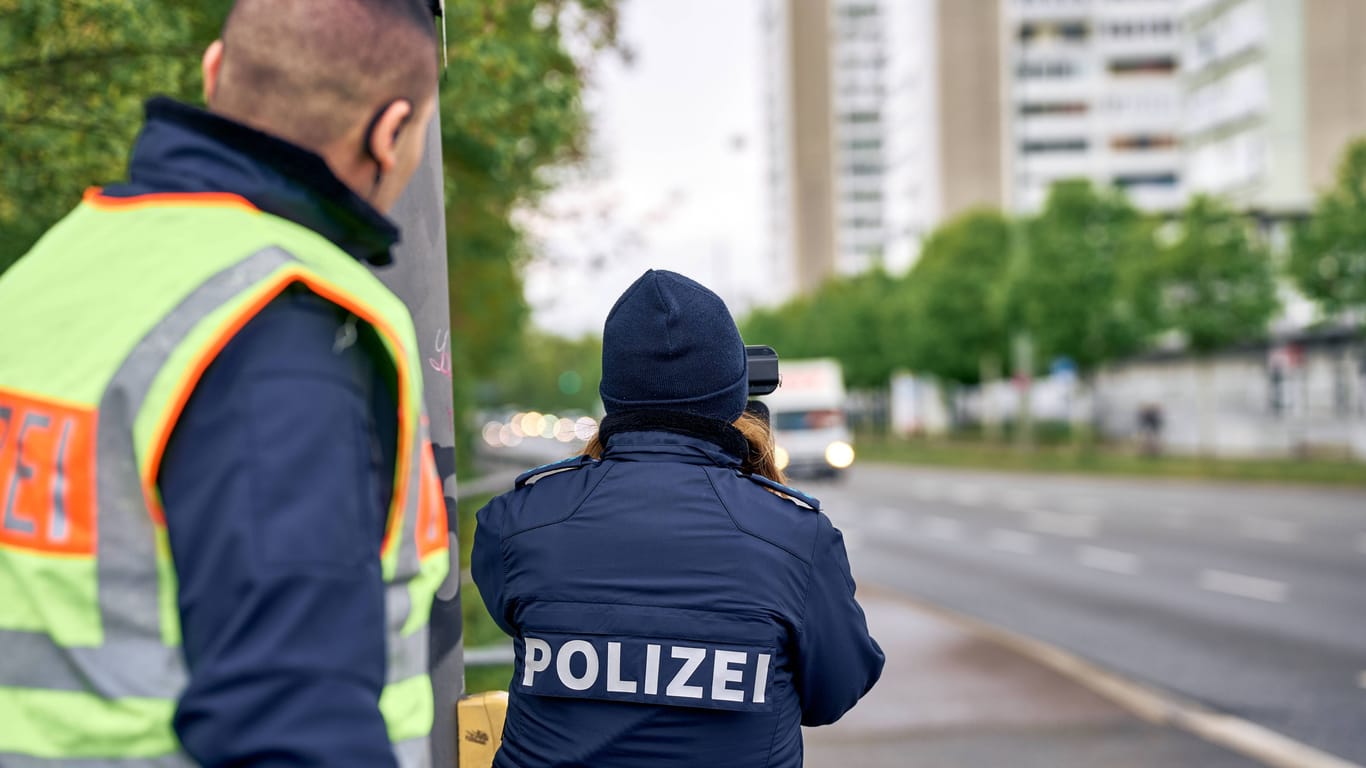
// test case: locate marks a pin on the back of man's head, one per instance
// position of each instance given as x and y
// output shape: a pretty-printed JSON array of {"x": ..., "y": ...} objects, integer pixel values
[{"x": 311, "y": 71}]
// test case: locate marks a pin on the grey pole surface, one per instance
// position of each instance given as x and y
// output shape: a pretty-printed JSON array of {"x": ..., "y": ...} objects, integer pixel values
[{"x": 419, "y": 277}]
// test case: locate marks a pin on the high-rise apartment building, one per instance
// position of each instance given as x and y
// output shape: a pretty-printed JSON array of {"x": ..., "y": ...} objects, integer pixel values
[
  {"x": 888, "y": 116},
  {"x": 1094, "y": 92},
  {"x": 968, "y": 102},
  {"x": 850, "y": 126},
  {"x": 1273, "y": 93}
]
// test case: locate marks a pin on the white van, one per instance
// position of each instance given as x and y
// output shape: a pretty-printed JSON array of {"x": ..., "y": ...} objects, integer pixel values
[{"x": 809, "y": 425}]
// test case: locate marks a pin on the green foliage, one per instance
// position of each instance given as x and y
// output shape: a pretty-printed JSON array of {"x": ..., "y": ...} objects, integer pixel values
[
  {"x": 1215, "y": 280},
  {"x": 511, "y": 107},
  {"x": 953, "y": 300},
  {"x": 1328, "y": 261},
  {"x": 1081, "y": 294},
  {"x": 848, "y": 319},
  {"x": 73, "y": 77},
  {"x": 551, "y": 373}
]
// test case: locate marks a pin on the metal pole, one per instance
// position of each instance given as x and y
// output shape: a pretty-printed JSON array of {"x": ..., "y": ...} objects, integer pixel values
[{"x": 419, "y": 277}]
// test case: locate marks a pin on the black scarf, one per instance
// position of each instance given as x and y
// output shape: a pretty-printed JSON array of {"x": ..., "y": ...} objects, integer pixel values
[{"x": 721, "y": 433}]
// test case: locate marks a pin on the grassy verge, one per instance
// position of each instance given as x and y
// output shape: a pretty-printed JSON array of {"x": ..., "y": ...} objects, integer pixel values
[
  {"x": 479, "y": 627},
  {"x": 1107, "y": 460}
]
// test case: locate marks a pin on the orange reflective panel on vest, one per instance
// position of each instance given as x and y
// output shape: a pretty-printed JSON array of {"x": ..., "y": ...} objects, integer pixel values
[{"x": 47, "y": 476}]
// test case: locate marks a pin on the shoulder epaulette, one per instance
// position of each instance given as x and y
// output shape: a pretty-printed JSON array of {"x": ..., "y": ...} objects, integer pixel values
[
  {"x": 532, "y": 475},
  {"x": 791, "y": 493}
]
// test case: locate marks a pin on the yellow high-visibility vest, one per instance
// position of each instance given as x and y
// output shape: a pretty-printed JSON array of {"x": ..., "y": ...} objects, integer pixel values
[{"x": 109, "y": 322}]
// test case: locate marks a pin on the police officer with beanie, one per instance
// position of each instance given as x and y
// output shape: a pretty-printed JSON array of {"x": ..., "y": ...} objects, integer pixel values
[
  {"x": 669, "y": 606},
  {"x": 214, "y": 468}
]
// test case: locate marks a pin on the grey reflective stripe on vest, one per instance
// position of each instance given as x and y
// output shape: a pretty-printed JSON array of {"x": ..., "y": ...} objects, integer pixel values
[
  {"x": 407, "y": 655},
  {"x": 413, "y": 753},
  {"x": 10, "y": 760},
  {"x": 132, "y": 661}
]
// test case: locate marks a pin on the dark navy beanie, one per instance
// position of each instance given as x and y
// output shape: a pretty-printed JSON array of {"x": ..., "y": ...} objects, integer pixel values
[{"x": 670, "y": 344}]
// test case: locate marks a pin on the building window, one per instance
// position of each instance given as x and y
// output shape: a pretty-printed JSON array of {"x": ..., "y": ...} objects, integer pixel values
[
  {"x": 1131, "y": 180},
  {"x": 1042, "y": 146},
  {"x": 861, "y": 117},
  {"x": 865, "y": 169},
  {"x": 1036, "y": 70},
  {"x": 863, "y": 144},
  {"x": 1143, "y": 141},
  {"x": 1054, "y": 108},
  {"x": 1148, "y": 65},
  {"x": 1070, "y": 31}
]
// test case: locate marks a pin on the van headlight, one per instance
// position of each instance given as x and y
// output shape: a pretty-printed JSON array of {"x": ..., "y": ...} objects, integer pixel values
[
  {"x": 839, "y": 454},
  {"x": 780, "y": 458}
]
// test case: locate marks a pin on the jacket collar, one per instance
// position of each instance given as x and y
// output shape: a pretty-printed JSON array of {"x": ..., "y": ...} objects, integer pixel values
[
  {"x": 667, "y": 446},
  {"x": 185, "y": 149}
]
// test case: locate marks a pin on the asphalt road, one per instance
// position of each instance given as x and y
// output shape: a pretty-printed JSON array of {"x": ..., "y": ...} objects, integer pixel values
[{"x": 1248, "y": 599}]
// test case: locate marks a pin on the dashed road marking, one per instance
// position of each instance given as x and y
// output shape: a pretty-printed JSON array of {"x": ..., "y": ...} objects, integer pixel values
[
  {"x": 1361, "y": 543},
  {"x": 1018, "y": 542},
  {"x": 968, "y": 495},
  {"x": 1241, "y": 585},
  {"x": 886, "y": 518},
  {"x": 943, "y": 528},
  {"x": 1085, "y": 504},
  {"x": 1361, "y": 680},
  {"x": 1076, "y": 526},
  {"x": 1176, "y": 517},
  {"x": 1111, "y": 560},
  {"x": 1264, "y": 529},
  {"x": 926, "y": 491},
  {"x": 1020, "y": 501}
]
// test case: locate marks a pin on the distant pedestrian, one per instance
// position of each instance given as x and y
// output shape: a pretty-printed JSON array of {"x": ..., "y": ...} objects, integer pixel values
[
  {"x": 671, "y": 603},
  {"x": 1150, "y": 422}
]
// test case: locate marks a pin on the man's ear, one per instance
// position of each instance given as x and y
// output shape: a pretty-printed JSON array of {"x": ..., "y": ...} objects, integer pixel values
[
  {"x": 210, "y": 66},
  {"x": 384, "y": 131}
]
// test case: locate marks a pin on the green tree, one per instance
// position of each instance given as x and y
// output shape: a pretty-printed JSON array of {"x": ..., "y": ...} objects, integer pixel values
[
  {"x": 1217, "y": 288},
  {"x": 1328, "y": 260},
  {"x": 847, "y": 319},
  {"x": 954, "y": 317},
  {"x": 1215, "y": 280},
  {"x": 551, "y": 373},
  {"x": 73, "y": 77},
  {"x": 1080, "y": 293}
]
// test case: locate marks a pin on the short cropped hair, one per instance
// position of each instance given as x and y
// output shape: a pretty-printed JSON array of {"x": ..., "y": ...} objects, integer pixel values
[{"x": 309, "y": 70}]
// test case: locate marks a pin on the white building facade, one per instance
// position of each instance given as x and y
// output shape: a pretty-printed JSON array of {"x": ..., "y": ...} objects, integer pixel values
[{"x": 1094, "y": 92}]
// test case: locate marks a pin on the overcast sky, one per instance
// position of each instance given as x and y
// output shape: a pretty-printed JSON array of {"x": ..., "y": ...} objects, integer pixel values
[{"x": 677, "y": 176}]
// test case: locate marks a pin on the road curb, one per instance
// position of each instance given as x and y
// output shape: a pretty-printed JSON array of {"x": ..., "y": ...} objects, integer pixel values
[{"x": 1160, "y": 708}]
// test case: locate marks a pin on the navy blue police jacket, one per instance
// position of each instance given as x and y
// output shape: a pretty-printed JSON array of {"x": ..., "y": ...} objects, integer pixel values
[
  {"x": 668, "y": 610},
  {"x": 276, "y": 478}
]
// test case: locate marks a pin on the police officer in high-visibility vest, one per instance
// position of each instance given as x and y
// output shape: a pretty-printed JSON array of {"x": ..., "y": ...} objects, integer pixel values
[
  {"x": 671, "y": 603},
  {"x": 220, "y": 523}
]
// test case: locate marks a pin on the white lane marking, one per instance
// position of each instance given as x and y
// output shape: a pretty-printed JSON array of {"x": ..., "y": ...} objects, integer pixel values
[
  {"x": 1176, "y": 517},
  {"x": 1085, "y": 504},
  {"x": 943, "y": 528},
  {"x": 1361, "y": 543},
  {"x": 968, "y": 495},
  {"x": 1111, "y": 560},
  {"x": 1020, "y": 501},
  {"x": 926, "y": 491},
  {"x": 886, "y": 518},
  {"x": 1240, "y": 585},
  {"x": 1059, "y": 524},
  {"x": 1264, "y": 529},
  {"x": 1019, "y": 542}
]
